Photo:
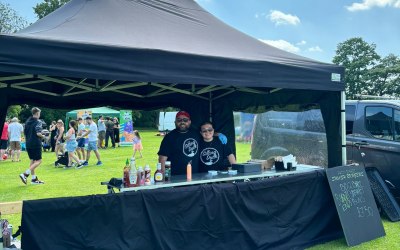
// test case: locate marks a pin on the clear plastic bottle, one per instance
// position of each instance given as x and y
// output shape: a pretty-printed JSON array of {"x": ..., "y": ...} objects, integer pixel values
[
  {"x": 132, "y": 173},
  {"x": 147, "y": 175},
  {"x": 140, "y": 174},
  {"x": 167, "y": 174},
  {"x": 158, "y": 175}
]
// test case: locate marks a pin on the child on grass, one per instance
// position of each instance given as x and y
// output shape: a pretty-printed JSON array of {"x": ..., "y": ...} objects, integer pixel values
[{"x": 137, "y": 143}]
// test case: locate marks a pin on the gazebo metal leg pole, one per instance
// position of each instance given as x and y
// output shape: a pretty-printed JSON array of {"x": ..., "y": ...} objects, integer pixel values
[
  {"x": 3, "y": 107},
  {"x": 343, "y": 126},
  {"x": 210, "y": 107}
]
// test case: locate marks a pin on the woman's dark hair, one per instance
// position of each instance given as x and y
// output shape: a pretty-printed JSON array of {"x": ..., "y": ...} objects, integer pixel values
[
  {"x": 205, "y": 123},
  {"x": 73, "y": 124},
  {"x": 137, "y": 134}
]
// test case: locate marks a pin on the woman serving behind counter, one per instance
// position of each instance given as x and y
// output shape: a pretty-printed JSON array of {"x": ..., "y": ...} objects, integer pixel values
[{"x": 212, "y": 152}]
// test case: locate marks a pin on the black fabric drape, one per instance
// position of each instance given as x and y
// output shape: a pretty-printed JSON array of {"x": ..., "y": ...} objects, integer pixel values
[
  {"x": 330, "y": 109},
  {"x": 290, "y": 212},
  {"x": 3, "y": 107}
]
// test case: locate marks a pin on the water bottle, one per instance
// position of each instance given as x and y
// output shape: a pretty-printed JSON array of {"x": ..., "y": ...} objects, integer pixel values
[
  {"x": 133, "y": 173},
  {"x": 167, "y": 174}
]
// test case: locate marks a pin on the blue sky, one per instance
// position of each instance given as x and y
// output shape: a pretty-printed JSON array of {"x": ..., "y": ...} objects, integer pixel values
[{"x": 311, "y": 28}]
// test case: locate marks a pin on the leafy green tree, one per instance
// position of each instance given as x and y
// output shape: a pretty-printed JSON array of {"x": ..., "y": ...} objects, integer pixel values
[
  {"x": 48, "y": 6},
  {"x": 10, "y": 21},
  {"x": 357, "y": 57},
  {"x": 47, "y": 114},
  {"x": 13, "y": 111},
  {"x": 385, "y": 77}
]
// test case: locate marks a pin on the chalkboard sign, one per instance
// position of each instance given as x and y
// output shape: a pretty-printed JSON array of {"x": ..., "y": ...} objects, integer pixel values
[{"x": 355, "y": 204}]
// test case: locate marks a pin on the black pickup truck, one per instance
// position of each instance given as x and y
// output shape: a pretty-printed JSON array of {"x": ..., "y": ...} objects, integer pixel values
[{"x": 372, "y": 129}]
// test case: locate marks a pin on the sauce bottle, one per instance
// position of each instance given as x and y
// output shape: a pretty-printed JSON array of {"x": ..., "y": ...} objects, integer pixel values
[
  {"x": 126, "y": 174},
  {"x": 158, "y": 175},
  {"x": 189, "y": 171},
  {"x": 147, "y": 175}
]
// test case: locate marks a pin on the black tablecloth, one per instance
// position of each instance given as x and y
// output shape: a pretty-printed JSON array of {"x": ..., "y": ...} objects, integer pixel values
[{"x": 279, "y": 213}]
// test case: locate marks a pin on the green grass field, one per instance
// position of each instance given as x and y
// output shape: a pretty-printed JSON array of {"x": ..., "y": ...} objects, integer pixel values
[{"x": 86, "y": 181}]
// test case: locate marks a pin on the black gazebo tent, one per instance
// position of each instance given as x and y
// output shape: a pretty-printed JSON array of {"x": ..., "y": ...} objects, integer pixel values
[{"x": 152, "y": 54}]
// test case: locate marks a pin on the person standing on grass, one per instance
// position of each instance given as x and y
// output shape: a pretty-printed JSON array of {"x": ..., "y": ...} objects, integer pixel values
[
  {"x": 33, "y": 136},
  {"x": 70, "y": 138},
  {"x": 59, "y": 139},
  {"x": 116, "y": 130},
  {"x": 15, "y": 131},
  {"x": 102, "y": 131},
  {"x": 110, "y": 131},
  {"x": 81, "y": 141},
  {"x": 53, "y": 132},
  {"x": 4, "y": 140},
  {"x": 137, "y": 143},
  {"x": 92, "y": 144}
]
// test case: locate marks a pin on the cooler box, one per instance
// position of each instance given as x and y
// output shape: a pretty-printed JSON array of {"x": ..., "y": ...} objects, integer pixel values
[{"x": 249, "y": 167}]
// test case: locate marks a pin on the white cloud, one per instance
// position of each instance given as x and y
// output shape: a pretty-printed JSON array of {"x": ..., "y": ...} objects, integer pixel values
[
  {"x": 280, "y": 18},
  {"x": 315, "y": 49},
  {"x": 282, "y": 44},
  {"x": 260, "y": 15},
  {"x": 368, "y": 4},
  {"x": 301, "y": 43}
]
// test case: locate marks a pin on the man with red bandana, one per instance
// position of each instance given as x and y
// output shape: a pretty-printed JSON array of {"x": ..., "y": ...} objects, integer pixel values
[{"x": 180, "y": 146}]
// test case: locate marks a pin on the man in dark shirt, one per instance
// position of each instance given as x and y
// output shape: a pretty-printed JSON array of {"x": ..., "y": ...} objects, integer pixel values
[
  {"x": 33, "y": 137},
  {"x": 110, "y": 131},
  {"x": 180, "y": 146}
]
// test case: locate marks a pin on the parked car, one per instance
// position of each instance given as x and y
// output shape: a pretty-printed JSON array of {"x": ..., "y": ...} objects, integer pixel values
[
  {"x": 372, "y": 137},
  {"x": 299, "y": 133}
]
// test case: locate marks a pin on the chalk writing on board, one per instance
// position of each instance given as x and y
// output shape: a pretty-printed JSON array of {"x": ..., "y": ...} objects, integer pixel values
[{"x": 351, "y": 192}]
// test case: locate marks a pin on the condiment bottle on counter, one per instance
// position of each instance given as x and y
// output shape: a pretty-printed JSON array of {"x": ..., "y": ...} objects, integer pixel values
[
  {"x": 140, "y": 174},
  {"x": 189, "y": 171},
  {"x": 158, "y": 175},
  {"x": 167, "y": 174},
  {"x": 126, "y": 174},
  {"x": 132, "y": 173},
  {"x": 147, "y": 175}
]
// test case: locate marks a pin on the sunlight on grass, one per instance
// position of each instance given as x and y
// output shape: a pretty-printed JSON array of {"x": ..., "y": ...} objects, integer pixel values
[{"x": 61, "y": 182}]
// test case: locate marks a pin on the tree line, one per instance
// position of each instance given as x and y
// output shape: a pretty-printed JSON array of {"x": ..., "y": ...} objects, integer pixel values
[{"x": 366, "y": 72}]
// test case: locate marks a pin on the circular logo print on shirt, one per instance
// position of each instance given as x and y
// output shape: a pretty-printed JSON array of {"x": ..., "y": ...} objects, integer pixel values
[
  {"x": 209, "y": 156},
  {"x": 190, "y": 147}
]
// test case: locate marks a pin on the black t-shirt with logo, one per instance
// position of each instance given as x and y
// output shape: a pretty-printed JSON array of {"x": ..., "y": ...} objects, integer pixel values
[
  {"x": 180, "y": 148},
  {"x": 213, "y": 155}
]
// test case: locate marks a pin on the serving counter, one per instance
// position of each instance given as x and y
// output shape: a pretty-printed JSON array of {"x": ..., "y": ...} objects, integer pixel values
[
  {"x": 203, "y": 178},
  {"x": 293, "y": 211}
]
